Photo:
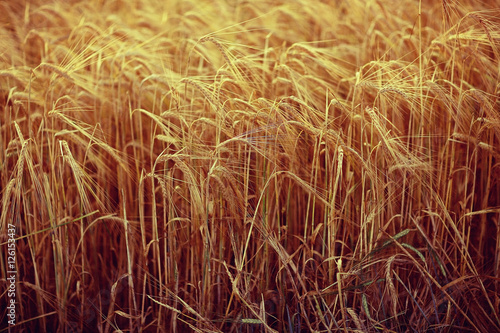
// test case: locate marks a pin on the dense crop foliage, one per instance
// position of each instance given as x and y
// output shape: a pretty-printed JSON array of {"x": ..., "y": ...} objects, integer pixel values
[{"x": 242, "y": 166}]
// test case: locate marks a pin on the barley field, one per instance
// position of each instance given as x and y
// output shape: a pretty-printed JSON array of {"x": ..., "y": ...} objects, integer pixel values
[{"x": 250, "y": 166}]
